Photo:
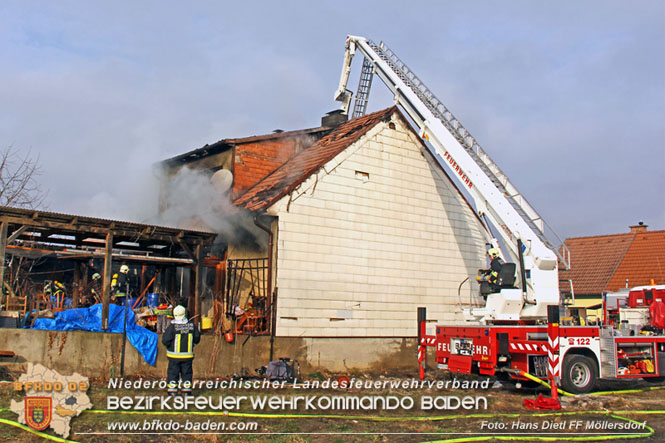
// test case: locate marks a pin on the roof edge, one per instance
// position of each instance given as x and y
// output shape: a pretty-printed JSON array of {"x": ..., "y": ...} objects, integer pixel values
[
  {"x": 228, "y": 143},
  {"x": 621, "y": 234}
]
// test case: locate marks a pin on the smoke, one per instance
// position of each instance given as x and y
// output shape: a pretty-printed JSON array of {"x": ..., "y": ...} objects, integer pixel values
[{"x": 195, "y": 199}]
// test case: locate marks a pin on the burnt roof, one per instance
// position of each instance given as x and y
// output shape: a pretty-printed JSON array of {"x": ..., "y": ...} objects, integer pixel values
[
  {"x": 302, "y": 165},
  {"x": 228, "y": 143}
]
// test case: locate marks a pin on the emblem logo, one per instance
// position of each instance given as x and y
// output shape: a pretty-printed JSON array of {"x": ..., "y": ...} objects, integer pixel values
[{"x": 38, "y": 412}]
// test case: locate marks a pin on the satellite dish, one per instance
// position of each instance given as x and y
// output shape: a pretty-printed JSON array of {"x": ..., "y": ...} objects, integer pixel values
[{"x": 222, "y": 180}]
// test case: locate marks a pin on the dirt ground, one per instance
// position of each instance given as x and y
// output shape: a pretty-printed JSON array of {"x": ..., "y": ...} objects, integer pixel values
[{"x": 504, "y": 416}]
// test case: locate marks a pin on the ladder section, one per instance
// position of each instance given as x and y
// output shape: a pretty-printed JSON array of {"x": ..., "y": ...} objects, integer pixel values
[
  {"x": 364, "y": 85},
  {"x": 471, "y": 146}
]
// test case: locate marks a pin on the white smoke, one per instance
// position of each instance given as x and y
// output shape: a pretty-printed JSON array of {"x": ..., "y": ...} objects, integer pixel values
[{"x": 195, "y": 199}]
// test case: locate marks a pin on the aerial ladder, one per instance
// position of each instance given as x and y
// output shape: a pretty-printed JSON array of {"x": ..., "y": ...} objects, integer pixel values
[{"x": 496, "y": 200}]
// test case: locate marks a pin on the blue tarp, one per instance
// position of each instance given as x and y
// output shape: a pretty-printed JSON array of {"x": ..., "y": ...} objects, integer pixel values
[{"x": 90, "y": 319}]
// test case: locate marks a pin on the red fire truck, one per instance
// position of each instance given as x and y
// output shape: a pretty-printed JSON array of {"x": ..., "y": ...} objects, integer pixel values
[{"x": 627, "y": 343}]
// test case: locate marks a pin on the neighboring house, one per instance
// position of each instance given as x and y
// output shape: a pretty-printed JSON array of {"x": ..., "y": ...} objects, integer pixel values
[
  {"x": 608, "y": 263},
  {"x": 365, "y": 228}
]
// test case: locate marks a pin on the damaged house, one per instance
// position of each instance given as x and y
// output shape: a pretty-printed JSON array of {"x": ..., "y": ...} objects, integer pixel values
[{"x": 354, "y": 225}]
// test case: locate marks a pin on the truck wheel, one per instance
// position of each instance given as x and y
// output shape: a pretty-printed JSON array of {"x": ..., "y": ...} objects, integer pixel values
[{"x": 579, "y": 374}]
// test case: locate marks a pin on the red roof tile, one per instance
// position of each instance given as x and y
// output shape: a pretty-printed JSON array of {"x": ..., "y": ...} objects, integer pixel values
[
  {"x": 602, "y": 263},
  {"x": 644, "y": 261},
  {"x": 302, "y": 165}
]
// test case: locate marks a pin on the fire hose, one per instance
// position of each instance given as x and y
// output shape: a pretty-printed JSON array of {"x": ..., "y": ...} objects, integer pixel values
[{"x": 536, "y": 379}]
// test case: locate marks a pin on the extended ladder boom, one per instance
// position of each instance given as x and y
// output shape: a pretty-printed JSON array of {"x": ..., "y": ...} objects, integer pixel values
[{"x": 494, "y": 196}]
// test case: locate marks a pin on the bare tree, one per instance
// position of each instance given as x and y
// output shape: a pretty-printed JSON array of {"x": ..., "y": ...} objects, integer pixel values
[{"x": 18, "y": 180}]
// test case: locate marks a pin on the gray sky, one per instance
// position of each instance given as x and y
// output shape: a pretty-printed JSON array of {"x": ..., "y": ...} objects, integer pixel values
[{"x": 567, "y": 97}]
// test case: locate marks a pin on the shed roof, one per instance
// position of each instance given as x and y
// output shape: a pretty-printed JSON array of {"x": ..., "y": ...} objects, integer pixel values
[{"x": 68, "y": 233}]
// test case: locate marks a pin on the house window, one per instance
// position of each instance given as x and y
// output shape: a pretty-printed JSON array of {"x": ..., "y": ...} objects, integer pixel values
[{"x": 364, "y": 176}]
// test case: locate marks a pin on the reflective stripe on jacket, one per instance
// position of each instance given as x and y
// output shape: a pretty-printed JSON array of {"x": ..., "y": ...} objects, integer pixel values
[
  {"x": 180, "y": 338},
  {"x": 119, "y": 285}
]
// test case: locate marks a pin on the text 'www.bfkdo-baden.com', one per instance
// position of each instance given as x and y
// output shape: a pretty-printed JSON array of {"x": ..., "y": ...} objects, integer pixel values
[{"x": 169, "y": 426}]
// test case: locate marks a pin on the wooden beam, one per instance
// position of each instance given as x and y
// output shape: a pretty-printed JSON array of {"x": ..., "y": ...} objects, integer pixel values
[
  {"x": 142, "y": 285},
  {"x": 84, "y": 282},
  {"x": 198, "y": 283},
  {"x": 148, "y": 259},
  {"x": 108, "y": 266},
  {"x": 122, "y": 230},
  {"x": 16, "y": 233},
  {"x": 186, "y": 248}
]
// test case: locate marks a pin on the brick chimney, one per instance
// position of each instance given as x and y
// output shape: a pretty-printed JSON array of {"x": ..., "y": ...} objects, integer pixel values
[
  {"x": 334, "y": 118},
  {"x": 640, "y": 227}
]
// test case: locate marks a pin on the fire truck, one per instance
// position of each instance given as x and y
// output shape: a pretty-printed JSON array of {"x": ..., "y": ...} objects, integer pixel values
[{"x": 520, "y": 327}]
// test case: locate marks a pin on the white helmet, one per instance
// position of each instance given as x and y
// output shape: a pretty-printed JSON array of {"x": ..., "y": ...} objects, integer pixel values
[
  {"x": 179, "y": 312},
  {"x": 124, "y": 269}
]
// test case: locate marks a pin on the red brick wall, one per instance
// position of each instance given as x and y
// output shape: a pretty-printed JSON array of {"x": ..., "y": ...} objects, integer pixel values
[{"x": 254, "y": 161}]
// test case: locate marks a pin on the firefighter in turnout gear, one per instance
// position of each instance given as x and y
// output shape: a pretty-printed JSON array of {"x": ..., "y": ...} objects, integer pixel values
[
  {"x": 490, "y": 276},
  {"x": 180, "y": 338},
  {"x": 120, "y": 285},
  {"x": 93, "y": 292}
]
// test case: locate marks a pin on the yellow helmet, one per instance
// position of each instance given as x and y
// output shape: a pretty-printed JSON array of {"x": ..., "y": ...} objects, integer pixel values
[{"x": 493, "y": 253}]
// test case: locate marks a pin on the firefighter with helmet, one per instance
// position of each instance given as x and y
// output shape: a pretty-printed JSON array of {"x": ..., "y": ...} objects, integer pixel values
[
  {"x": 491, "y": 275},
  {"x": 94, "y": 292},
  {"x": 179, "y": 339},
  {"x": 120, "y": 285}
]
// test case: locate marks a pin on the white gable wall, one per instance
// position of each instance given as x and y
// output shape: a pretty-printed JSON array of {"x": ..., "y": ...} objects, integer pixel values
[{"x": 377, "y": 233}]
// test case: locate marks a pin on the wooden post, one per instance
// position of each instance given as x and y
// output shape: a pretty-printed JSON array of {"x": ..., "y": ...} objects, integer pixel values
[
  {"x": 3, "y": 250},
  {"x": 142, "y": 285},
  {"x": 198, "y": 286},
  {"x": 84, "y": 283},
  {"x": 108, "y": 267}
]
